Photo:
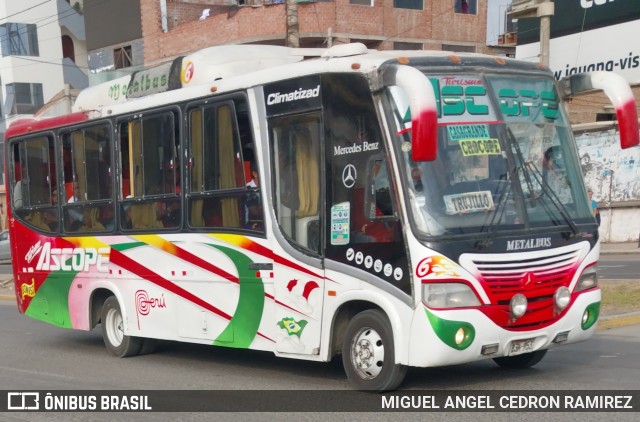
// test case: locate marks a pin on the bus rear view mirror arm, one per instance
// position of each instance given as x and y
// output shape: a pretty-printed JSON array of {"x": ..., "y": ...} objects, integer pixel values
[
  {"x": 619, "y": 92},
  {"x": 422, "y": 106}
]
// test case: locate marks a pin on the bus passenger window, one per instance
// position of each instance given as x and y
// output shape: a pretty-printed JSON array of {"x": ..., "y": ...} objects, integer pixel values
[
  {"x": 87, "y": 182},
  {"x": 33, "y": 181},
  {"x": 222, "y": 193}
]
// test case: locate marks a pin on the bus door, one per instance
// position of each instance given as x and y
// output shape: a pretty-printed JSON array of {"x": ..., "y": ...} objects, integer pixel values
[
  {"x": 364, "y": 236},
  {"x": 298, "y": 271}
]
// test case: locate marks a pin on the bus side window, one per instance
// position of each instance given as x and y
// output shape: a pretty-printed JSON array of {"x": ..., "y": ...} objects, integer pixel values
[
  {"x": 219, "y": 191},
  {"x": 150, "y": 167},
  {"x": 87, "y": 182},
  {"x": 33, "y": 181},
  {"x": 296, "y": 168}
]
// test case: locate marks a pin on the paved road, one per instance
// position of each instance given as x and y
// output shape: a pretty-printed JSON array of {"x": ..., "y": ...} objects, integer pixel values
[{"x": 619, "y": 267}]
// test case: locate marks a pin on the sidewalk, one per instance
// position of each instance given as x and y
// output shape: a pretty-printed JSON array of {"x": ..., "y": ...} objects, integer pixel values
[{"x": 625, "y": 248}]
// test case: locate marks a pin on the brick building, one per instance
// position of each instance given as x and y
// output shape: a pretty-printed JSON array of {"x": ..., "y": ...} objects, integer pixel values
[{"x": 174, "y": 27}]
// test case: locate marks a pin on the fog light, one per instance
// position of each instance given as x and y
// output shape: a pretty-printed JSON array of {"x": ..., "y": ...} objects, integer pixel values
[
  {"x": 518, "y": 305},
  {"x": 590, "y": 315},
  {"x": 459, "y": 336},
  {"x": 490, "y": 349},
  {"x": 562, "y": 297},
  {"x": 561, "y": 337}
]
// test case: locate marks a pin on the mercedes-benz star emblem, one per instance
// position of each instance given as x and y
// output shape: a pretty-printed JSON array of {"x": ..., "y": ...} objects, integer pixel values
[{"x": 349, "y": 175}]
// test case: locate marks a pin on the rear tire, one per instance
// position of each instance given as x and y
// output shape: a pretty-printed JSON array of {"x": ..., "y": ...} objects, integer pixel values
[
  {"x": 118, "y": 344},
  {"x": 368, "y": 353},
  {"x": 523, "y": 361}
]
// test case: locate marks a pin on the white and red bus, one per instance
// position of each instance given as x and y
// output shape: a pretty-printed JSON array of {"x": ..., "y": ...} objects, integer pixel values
[{"x": 398, "y": 208}]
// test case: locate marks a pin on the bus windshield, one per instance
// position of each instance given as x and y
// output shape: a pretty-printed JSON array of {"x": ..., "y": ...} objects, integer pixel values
[{"x": 506, "y": 158}]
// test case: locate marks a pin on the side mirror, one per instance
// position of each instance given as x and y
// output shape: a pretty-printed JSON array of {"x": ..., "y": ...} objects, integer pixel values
[
  {"x": 619, "y": 92},
  {"x": 422, "y": 106}
]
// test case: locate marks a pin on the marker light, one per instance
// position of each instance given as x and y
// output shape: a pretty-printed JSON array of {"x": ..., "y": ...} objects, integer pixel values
[
  {"x": 588, "y": 280},
  {"x": 518, "y": 305}
]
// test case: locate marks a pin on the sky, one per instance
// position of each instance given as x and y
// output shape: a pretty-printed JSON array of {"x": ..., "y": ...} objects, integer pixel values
[{"x": 495, "y": 19}]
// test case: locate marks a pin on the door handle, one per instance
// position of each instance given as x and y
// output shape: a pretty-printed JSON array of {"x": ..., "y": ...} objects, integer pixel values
[{"x": 260, "y": 266}]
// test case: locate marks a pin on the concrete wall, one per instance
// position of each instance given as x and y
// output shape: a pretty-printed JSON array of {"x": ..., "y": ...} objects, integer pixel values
[
  {"x": 620, "y": 224},
  {"x": 613, "y": 175}
]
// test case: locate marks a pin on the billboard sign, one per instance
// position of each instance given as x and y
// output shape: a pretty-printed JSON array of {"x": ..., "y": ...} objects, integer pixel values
[{"x": 587, "y": 35}]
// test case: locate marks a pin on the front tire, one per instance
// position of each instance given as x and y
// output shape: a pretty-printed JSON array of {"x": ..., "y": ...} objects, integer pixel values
[
  {"x": 523, "y": 361},
  {"x": 368, "y": 353},
  {"x": 118, "y": 344}
]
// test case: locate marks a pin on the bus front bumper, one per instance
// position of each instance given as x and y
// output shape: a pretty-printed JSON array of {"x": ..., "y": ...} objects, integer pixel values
[{"x": 454, "y": 336}]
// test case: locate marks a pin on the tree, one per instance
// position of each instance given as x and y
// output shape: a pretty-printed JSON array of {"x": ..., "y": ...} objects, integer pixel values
[{"x": 293, "y": 31}]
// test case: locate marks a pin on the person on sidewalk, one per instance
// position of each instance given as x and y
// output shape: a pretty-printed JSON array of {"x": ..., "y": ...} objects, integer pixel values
[{"x": 594, "y": 207}]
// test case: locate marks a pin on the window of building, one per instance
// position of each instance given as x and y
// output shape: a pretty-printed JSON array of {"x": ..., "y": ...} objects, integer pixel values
[
  {"x": 362, "y": 2},
  {"x": 19, "y": 39},
  {"x": 224, "y": 188},
  {"x": 408, "y": 4},
  {"x": 606, "y": 117},
  {"x": 459, "y": 48},
  {"x": 407, "y": 46},
  {"x": 86, "y": 184},
  {"x": 122, "y": 57},
  {"x": 469, "y": 7},
  {"x": 150, "y": 171},
  {"x": 24, "y": 98}
]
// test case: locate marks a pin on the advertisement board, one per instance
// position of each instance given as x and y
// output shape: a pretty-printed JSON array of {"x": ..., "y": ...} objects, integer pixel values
[{"x": 587, "y": 35}]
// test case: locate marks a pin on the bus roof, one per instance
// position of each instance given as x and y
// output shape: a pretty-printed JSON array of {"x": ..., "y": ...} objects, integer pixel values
[{"x": 227, "y": 68}]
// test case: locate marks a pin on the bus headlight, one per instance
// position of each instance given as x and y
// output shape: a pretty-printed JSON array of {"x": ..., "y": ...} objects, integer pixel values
[
  {"x": 562, "y": 297},
  {"x": 448, "y": 295},
  {"x": 588, "y": 280},
  {"x": 518, "y": 305}
]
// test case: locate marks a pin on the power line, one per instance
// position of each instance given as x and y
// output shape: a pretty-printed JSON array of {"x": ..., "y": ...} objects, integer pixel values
[{"x": 24, "y": 10}]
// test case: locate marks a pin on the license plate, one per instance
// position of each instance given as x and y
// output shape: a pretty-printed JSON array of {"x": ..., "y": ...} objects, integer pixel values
[{"x": 519, "y": 347}]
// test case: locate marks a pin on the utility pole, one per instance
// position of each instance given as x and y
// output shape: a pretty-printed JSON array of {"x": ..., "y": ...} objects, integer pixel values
[
  {"x": 293, "y": 31},
  {"x": 542, "y": 9}
]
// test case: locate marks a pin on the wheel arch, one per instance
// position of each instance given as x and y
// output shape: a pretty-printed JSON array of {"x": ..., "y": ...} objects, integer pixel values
[
  {"x": 96, "y": 302},
  {"x": 350, "y": 307}
]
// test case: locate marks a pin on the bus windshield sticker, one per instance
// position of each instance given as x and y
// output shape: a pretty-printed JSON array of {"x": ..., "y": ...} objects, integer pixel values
[
  {"x": 460, "y": 132},
  {"x": 480, "y": 147},
  {"x": 463, "y": 96},
  {"x": 340, "y": 223},
  {"x": 468, "y": 202}
]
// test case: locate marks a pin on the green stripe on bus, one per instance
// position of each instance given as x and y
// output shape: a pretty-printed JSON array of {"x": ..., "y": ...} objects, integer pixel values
[
  {"x": 51, "y": 302},
  {"x": 243, "y": 326}
]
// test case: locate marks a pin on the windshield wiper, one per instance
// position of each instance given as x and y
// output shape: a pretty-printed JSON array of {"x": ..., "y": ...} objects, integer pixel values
[
  {"x": 496, "y": 217},
  {"x": 555, "y": 200}
]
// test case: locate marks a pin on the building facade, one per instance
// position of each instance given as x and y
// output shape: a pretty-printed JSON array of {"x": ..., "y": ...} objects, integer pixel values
[
  {"x": 44, "y": 58},
  {"x": 169, "y": 28},
  {"x": 588, "y": 35}
]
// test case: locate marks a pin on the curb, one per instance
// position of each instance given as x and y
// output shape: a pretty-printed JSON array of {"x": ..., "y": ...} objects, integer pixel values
[{"x": 617, "y": 321}]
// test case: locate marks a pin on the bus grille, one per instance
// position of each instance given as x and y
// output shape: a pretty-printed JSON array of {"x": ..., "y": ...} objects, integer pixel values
[{"x": 537, "y": 275}]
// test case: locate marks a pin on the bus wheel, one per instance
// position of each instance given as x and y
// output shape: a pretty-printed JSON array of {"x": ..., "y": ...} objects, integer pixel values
[
  {"x": 523, "y": 361},
  {"x": 368, "y": 353},
  {"x": 117, "y": 342}
]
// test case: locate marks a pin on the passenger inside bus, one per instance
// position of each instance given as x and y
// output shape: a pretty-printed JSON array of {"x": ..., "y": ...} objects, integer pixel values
[
  {"x": 252, "y": 204},
  {"x": 553, "y": 173},
  {"x": 168, "y": 211}
]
